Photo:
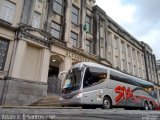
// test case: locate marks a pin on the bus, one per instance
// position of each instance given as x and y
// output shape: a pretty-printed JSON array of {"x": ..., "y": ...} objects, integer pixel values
[{"x": 92, "y": 85}]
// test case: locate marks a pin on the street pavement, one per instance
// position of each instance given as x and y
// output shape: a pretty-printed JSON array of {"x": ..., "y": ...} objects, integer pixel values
[{"x": 76, "y": 114}]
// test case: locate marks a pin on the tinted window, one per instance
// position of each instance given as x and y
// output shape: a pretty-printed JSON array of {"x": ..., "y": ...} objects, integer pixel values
[
  {"x": 143, "y": 83},
  {"x": 130, "y": 80},
  {"x": 72, "y": 81},
  {"x": 93, "y": 76},
  {"x": 121, "y": 77}
]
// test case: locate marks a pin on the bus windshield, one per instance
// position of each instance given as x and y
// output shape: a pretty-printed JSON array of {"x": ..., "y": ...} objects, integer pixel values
[{"x": 72, "y": 81}]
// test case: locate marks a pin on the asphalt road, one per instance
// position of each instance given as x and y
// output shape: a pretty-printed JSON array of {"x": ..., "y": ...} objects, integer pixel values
[{"x": 76, "y": 114}]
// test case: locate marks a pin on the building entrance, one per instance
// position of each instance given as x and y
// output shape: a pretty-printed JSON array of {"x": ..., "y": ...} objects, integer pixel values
[{"x": 55, "y": 65}]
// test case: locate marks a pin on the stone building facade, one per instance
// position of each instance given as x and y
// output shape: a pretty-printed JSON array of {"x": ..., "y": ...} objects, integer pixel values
[
  {"x": 121, "y": 49},
  {"x": 158, "y": 69},
  {"x": 40, "y": 38},
  {"x": 150, "y": 63}
]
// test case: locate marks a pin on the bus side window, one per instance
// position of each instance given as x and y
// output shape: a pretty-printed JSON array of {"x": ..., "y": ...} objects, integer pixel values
[
  {"x": 87, "y": 78},
  {"x": 94, "y": 75}
]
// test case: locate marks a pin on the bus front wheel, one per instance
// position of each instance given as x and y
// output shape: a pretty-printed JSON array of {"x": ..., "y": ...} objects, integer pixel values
[{"x": 107, "y": 104}]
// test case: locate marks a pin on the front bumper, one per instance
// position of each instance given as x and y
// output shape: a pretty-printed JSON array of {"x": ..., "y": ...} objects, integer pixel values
[{"x": 73, "y": 101}]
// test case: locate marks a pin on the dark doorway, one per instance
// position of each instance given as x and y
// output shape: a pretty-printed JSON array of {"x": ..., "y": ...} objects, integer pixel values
[
  {"x": 54, "y": 84},
  {"x": 53, "y": 71}
]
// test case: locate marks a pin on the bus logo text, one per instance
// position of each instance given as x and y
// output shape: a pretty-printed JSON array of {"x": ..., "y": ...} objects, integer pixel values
[{"x": 123, "y": 93}]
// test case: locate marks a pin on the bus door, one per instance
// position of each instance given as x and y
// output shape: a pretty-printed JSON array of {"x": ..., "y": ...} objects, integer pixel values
[{"x": 93, "y": 86}]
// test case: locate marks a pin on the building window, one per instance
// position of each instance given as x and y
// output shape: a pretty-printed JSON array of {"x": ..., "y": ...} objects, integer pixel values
[
  {"x": 130, "y": 68},
  {"x": 123, "y": 65},
  {"x": 109, "y": 38},
  {"x": 55, "y": 30},
  {"x": 75, "y": 15},
  {"x": 116, "y": 42},
  {"x": 117, "y": 62},
  {"x": 102, "y": 52},
  {"x": 57, "y": 6},
  {"x": 74, "y": 39},
  {"x": 3, "y": 53},
  {"x": 7, "y": 11},
  {"x": 139, "y": 57},
  {"x": 135, "y": 70},
  {"x": 101, "y": 32},
  {"x": 88, "y": 24},
  {"x": 134, "y": 53},
  {"x": 88, "y": 46},
  {"x": 109, "y": 57},
  {"x": 123, "y": 47},
  {"x": 102, "y": 47},
  {"x": 129, "y": 50},
  {"x": 140, "y": 72},
  {"x": 36, "y": 20}
]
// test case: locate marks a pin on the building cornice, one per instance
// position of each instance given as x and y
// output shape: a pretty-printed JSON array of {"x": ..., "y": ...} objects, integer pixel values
[{"x": 7, "y": 25}]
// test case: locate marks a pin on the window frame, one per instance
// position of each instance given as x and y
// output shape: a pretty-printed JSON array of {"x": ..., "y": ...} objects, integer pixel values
[
  {"x": 116, "y": 44},
  {"x": 56, "y": 10},
  {"x": 55, "y": 29},
  {"x": 6, "y": 53},
  {"x": 8, "y": 5},
  {"x": 34, "y": 18},
  {"x": 93, "y": 75},
  {"x": 123, "y": 47},
  {"x": 88, "y": 46},
  {"x": 73, "y": 39},
  {"x": 89, "y": 23},
  {"x": 77, "y": 15}
]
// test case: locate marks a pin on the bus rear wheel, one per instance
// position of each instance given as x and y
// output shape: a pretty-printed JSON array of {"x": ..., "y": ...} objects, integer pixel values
[
  {"x": 150, "y": 106},
  {"x": 107, "y": 104}
]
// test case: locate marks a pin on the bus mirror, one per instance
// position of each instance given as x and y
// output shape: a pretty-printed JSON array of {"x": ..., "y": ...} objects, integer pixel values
[{"x": 63, "y": 72}]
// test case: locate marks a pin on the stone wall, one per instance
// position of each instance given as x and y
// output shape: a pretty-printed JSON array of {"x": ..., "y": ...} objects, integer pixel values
[
  {"x": 1, "y": 90},
  {"x": 22, "y": 92}
]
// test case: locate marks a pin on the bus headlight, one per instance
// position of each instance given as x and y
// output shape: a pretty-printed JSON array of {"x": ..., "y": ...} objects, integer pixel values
[
  {"x": 60, "y": 98},
  {"x": 79, "y": 95}
]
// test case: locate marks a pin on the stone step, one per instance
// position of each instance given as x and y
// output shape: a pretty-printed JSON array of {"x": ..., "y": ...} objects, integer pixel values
[{"x": 47, "y": 101}]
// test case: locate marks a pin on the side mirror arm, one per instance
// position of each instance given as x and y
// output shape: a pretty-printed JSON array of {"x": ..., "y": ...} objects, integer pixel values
[{"x": 63, "y": 72}]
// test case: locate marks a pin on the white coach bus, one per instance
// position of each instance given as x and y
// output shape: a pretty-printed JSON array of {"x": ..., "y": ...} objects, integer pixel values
[{"x": 91, "y": 85}]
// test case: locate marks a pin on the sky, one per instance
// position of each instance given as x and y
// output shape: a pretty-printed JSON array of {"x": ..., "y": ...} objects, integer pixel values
[{"x": 141, "y": 18}]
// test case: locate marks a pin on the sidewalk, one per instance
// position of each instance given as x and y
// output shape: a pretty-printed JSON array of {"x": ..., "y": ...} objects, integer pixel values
[{"x": 37, "y": 107}]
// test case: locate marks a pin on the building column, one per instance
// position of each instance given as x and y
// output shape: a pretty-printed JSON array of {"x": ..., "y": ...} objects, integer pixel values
[
  {"x": 126, "y": 53},
  {"x": 141, "y": 65},
  {"x": 113, "y": 54},
  {"x": 45, "y": 66},
  {"x": 119, "y": 53},
  {"x": 68, "y": 24},
  {"x": 136, "y": 63},
  {"x": 131, "y": 57},
  {"x": 18, "y": 59},
  {"x": 83, "y": 39}
]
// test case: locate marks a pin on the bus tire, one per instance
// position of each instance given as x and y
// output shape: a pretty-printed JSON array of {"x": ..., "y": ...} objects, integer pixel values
[
  {"x": 107, "y": 104},
  {"x": 145, "y": 106},
  {"x": 85, "y": 107},
  {"x": 150, "y": 106}
]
